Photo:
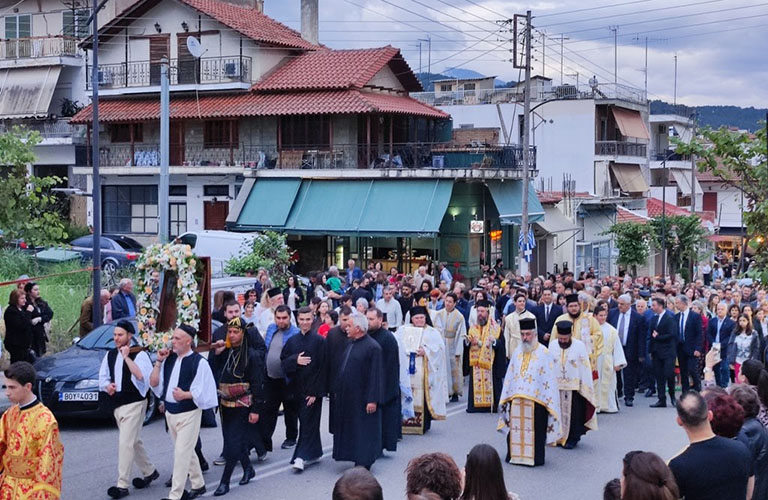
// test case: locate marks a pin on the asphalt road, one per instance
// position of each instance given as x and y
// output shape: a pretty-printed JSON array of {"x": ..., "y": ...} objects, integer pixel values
[{"x": 90, "y": 460}]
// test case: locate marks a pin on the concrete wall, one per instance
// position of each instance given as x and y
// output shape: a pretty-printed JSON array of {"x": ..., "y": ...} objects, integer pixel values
[
  {"x": 386, "y": 78},
  {"x": 729, "y": 212},
  {"x": 46, "y": 15}
]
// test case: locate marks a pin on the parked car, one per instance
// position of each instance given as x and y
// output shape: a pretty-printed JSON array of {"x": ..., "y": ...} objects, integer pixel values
[
  {"x": 116, "y": 250},
  {"x": 220, "y": 246}
]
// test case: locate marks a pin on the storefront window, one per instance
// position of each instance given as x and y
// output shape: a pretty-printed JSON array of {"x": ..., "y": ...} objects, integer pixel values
[{"x": 496, "y": 246}]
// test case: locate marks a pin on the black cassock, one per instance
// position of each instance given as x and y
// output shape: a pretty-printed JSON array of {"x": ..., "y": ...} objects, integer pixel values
[
  {"x": 391, "y": 411},
  {"x": 498, "y": 371},
  {"x": 306, "y": 381},
  {"x": 357, "y": 434},
  {"x": 335, "y": 343}
]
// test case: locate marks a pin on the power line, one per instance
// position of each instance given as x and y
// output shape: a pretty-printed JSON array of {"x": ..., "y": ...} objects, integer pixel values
[
  {"x": 591, "y": 8},
  {"x": 631, "y": 13}
]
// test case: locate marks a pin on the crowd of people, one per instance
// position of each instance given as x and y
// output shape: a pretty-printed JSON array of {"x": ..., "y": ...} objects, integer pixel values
[{"x": 391, "y": 351}]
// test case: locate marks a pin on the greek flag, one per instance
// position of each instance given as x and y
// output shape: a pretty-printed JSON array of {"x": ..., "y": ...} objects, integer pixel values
[{"x": 527, "y": 245}]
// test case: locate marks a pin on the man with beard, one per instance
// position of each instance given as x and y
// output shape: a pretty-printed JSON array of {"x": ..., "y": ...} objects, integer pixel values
[
  {"x": 485, "y": 360},
  {"x": 512, "y": 323},
  {"x": 423, "y": 354},
  {"x": 574, "y": 380},
  {"x": 395, "y": 376},
  {"x": 451, "y": 325},
  {"x": 530, "y": 400},
  {"x": 406, "y": 298},
  {"x": 585, "y": 328}
]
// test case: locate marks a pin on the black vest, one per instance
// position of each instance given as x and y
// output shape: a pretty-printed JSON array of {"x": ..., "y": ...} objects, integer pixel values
[
  {"x": 187, "y": 373},
  {"x": 128, "y": 393}
]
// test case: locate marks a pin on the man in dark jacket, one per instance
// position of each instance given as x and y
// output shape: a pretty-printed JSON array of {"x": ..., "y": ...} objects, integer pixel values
[
  {"x": 690, "y": 343},
  {"x": 546, "y": 314},
  {"x": 124, "y": 302},
  {"x": 663, "y": 351},
  {"x": 719, "y": 331},
  {"x": 631, "y": 328}
]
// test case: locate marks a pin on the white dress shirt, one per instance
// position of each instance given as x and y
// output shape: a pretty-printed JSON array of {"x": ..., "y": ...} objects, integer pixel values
[
  {"x": 623, "y": 335},
  {"x": 142, "y": 361},
  {"x": 203, "y": 387},
  {"x": 393, "y": 310}
]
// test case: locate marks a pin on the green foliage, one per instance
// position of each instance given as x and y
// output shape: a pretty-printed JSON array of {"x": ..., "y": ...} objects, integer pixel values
[
  {"x": 74, "y": 231},
  {"x": 740, "y": 160},
  {"x": 27, "y": 205},
  {"x": 269, "y": 251},
  {"x": 715, "y": 116},
  {"x": 632, "y": 241},
  {"x": 684, "y": 236}
]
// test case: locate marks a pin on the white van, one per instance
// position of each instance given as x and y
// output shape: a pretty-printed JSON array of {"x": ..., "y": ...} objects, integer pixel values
[{"x": 220, "y": 246}]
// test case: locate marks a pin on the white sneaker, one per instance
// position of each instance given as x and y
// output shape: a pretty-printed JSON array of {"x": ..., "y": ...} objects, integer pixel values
[{"x": 298, "y": 464}]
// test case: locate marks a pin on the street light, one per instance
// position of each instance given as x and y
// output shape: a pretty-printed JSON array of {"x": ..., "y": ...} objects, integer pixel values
[{"x": 665, "y": 175}]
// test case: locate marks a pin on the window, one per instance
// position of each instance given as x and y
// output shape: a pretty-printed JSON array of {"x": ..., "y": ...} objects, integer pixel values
[
  {"x": 216, "y": 190},
  {"x": 178, "y": 190},
  {"x": 178, "y": 219},
  {"x": 121, "y": 132},
  {"x": 445, "y": 88},
  {"x": 130, "y": 209},
  {"x": 18, "y": 26},
  {"x": 74, "y": 23},
  {"x": 469, "y": 86},
  {"x": 216, "y": 134},
  {"x": 497, "y": 249},
  {"x": 305, "y": 132}
]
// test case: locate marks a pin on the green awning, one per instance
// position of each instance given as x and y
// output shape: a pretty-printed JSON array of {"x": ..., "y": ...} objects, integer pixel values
[
  {"x": 508, "y": 197},
  {"x": 350, "y": 207},
  {"x": 269, "y": 202}
]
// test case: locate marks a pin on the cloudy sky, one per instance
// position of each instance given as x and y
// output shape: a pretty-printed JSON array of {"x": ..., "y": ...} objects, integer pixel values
[{"x": 721, "y": 45}]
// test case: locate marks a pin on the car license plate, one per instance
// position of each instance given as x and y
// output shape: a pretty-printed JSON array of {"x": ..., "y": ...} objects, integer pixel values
[{"x": 78, "y": 396}]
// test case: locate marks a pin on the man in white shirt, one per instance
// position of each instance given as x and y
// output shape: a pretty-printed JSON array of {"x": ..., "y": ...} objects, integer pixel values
[
  {"x": 391, "y": 307},
  {"x": 183, "y": 381},
  {"x": 445, "y": 275}
]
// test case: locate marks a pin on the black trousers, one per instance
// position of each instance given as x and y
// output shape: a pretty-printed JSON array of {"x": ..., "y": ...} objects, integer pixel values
[
  {"x": 664, "y": 369},
  {"x": 309, "y": 446},
  {"x": 235, "y": 428},
  {"x": 277, "y": 393},
  {"x": 689, "y": 367},
  {"x": 578, "y": 412},
  {"x": 628, "y": 378},
  {"x": 18, "y": 353}
]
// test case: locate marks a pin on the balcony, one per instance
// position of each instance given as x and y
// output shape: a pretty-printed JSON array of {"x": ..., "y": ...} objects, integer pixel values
[
  {"x": 621, "y": 148},
  {"x": 313, "y": 157},
  {"x": 37, "y": 47},
  {"x": 669, "y": 155},
  {"x": 51, "y": 131},
  {"x": 205, "y": 71}
]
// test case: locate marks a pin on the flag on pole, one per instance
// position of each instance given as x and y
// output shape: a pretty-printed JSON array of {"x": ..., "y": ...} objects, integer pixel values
[{"x": 527, "y": 245}]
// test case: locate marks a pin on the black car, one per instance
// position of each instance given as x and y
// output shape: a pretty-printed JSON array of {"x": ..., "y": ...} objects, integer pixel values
[
  {"x": 116, "y": 250},
  {"x": 68, "y": 381}
]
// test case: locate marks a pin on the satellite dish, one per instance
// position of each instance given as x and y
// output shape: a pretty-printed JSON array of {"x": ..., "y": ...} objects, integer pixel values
[{"x": 194, "y": 47}]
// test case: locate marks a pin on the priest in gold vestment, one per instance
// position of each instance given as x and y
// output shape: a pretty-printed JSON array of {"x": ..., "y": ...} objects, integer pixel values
[
  {"x": 484, "y": 361},
  {"x": 530, "y": 400},
  {"x": 30, "y": 450}
]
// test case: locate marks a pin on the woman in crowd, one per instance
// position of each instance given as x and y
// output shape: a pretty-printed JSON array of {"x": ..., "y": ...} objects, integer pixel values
[
  {"x": 249, "y": 312},
  {"x": 435, "y": 302},
  {"x": 753, "y": 435},
  {"x": 328, "y": 322},
  {"x": 38, "y": 308},
  {"x": 698, "y": 306},
  {"x": 484, "y": 476},
  {"x": 293, "y": 295},
  {"x": 321, "y": 290},
  {"x": 108, "y": 307},
  {"x": 755, "y": 375},
  {"x": 436, "y": 473},
  {"x": 18, "y": 327},
  {"x": 743, "y": 345},
  {"x": 379, "y": 284},
  {"x": 733, "y": 312},
  {"x": 252, "y": 295},
  {"x": 645, "y": 476},
  {"x": 392, "y": 276}
]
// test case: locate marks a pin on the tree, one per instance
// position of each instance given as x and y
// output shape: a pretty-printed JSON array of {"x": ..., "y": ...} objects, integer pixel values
[
  {"x": 684, "y": 237},
  {"x": 269, "y": 251},
  {"x": 739, "y": 160},
  {"x": 631, "y": 239},
  {"x": 27, "y": 204}
]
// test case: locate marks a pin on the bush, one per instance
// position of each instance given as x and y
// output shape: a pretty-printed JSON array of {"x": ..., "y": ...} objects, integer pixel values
[{"x": 268, "y": 251}]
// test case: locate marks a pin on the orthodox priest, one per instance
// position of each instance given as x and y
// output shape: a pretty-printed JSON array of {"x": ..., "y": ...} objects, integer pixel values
[
  {"x": 530, "y": 400},
  {"x": 357, "y": 393},
  {"x": 335, "y": 345},
  {"x": 585, "y": 328},
  {"x": 485, "y": 361},
  {"x": 424, "y": 355},
  {"x": 574, "y": 380},
  {"x": 451, "y": 325}
]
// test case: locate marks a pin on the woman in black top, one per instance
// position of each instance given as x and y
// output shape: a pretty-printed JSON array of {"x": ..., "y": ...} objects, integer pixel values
[
  {"x": 18, "y": 327},
  {"x": 37, "y": 308},
  {"x": 238, "y": 369}
]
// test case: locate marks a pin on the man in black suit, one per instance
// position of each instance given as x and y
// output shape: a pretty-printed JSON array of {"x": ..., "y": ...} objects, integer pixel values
[
  {"x": 631, "y": 328},
  {"x": 124, "y": 302},
  {"x": 690, "y": 343},
  {"x": 546, "y": 314},
  {"x": 662, "y": 350},
  {"x": 719, "y": 331}
]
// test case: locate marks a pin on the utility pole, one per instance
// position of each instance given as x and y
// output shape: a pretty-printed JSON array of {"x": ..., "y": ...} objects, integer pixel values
[
  {"x": 615, "y": 30},
  {"x": 561, "y": 39},
  {"x": 419, "y": 46},
  {"x": 674, "y": 99},
  {"x": 96, "y": 190},
  {"x": 165, "y": 113},
  {"x": 646, "y": 67},
  {"x": 543, "y": 53},
  {"x": 429, "y": 52},
  {"x": 526, "y": 141},
  {"x": 693, "y": 167}
]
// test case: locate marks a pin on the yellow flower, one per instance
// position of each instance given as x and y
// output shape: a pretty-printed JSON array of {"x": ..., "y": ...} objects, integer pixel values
[{"x": 186, "y": 303}]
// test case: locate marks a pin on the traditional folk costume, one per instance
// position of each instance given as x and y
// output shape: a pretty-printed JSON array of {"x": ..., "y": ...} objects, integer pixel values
[
  {"x": 305, "y": 382},
  {"x": 428, "y": 377},
  {"x": 577, "y": 394},
  {"x": 32, "y": 454},
  {"x": 611, "y": 359},
  {"x": 585, "y": 328},
  {"x": 130, "y": 406},
  {"x": 356, "y": 433},
  {"x": 486, "y": 366},
  {"x": 239, "y": 375},
  {"x": 189, "y": 372},
  {"x": 395, "y": 377},
  {"x": 512, "y": 329},
  {"x": 453, "y": 329},
  {"x": 530, "y": 403}
]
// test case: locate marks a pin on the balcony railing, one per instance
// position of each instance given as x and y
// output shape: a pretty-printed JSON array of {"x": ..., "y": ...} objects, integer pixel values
[
  {"x": 206, "y": 70},
  {"x": 539, "y": 93},
  {"x": 620, "y": 148},
  {"x": 339, "y": 156},
  {"x": 669, "y": 155},
  {"x": 18, "y": 48},
  {"x": 48, "y": 129}
]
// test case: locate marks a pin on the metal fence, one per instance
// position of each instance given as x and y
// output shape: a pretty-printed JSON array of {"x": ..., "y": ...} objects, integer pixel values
[
  {"x": 17, "y": 48},
  {"x": 620, "y": 148}
]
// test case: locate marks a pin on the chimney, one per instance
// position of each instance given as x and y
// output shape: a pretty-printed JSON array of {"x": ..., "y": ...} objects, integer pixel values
[{"x": 309, "y": 21}]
